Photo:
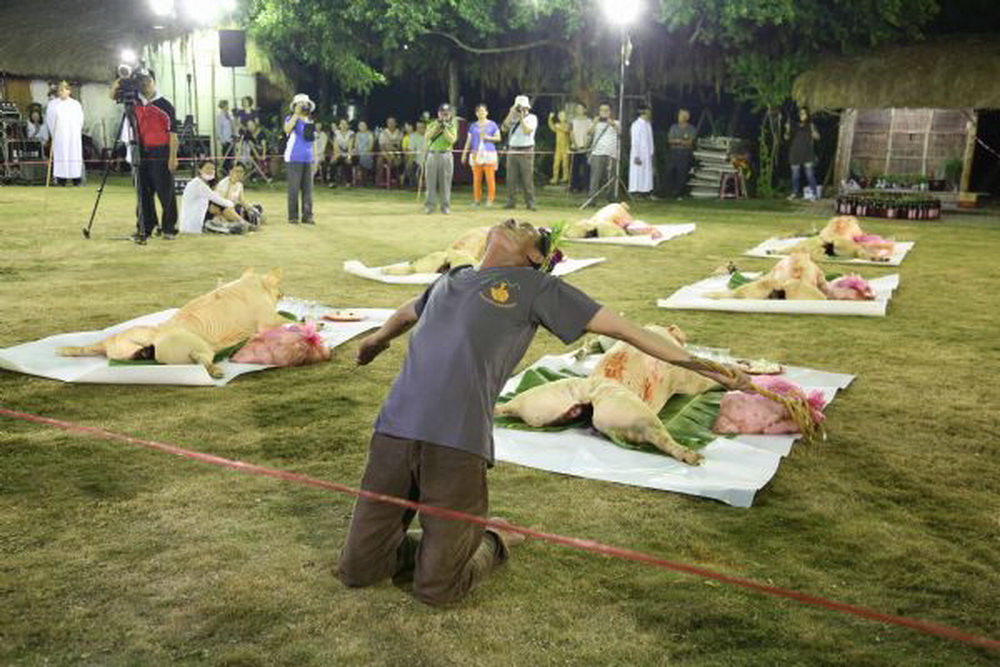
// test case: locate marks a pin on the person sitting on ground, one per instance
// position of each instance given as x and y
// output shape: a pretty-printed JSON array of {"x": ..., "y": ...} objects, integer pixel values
[
  {"x": 231, "y": 188},
  {"x": 364, "y": 147},
  {"x": 200, "y": 203},
  {"x": 470, "y": 330},
  {"x": 343, "y": 153},
  {"x": 390, "y": 147}
]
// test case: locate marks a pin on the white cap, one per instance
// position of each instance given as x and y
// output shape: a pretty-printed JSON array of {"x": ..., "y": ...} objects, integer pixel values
[
  {"x": 522, "y": 101},
  {"x": 304, "y": 99}
]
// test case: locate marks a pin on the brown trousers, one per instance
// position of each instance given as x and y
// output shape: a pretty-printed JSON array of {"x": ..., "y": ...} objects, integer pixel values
[{"x": 451, "y": 557}]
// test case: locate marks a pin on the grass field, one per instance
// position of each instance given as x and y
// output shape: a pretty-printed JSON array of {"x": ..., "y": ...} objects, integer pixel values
[{"x": 114, "y": 555}]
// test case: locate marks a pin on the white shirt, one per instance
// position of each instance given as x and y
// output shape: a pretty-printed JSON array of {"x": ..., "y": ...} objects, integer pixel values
[
  {"x": 194, "y": 204},
  {"x": 519, "y": 138},
  {"x": 39, "y": 132},
  {"x": 605, "y": 139},
  {"x": 224, "y": 127},
  {"x": 233, "y": 192},
  {"x": 581, "y": 125}
]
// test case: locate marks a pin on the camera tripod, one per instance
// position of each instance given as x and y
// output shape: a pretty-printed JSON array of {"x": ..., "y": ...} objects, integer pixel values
[
  {"x": 613, "y": 182},
  {"x": 132, "y": 150}
]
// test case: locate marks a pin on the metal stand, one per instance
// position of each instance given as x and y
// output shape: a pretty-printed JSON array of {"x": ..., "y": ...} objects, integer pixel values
[
  {"x": 128, "y": 116},
  {"x": 626, "y": 52}
]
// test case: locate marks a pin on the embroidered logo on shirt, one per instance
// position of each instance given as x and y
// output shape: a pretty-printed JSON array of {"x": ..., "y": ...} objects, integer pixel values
[{"x": 501, "y": 293}]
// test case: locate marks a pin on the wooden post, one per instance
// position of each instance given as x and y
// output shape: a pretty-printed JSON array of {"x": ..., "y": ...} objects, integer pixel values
[
  {"x": 971, "y": 128},
  {"x": 927, "y": 141},
  {"x": 845, "y": 146},
  {"x": 888, "y": 147}
]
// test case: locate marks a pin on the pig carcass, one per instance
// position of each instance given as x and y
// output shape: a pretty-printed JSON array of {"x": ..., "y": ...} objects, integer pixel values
[
  {"x": 226, "y": 316},
  {"x": 466, "y": 250},
  {"x": 625, "y": 392},
  {"x": 843, "y": 237}
]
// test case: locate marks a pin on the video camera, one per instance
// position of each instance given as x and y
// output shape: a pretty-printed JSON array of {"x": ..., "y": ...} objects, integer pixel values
[{"x": 130, "y": 77}]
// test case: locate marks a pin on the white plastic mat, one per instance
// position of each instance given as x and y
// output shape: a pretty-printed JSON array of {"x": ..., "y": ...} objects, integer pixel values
[
  {"x": 356, "y": 268},
  {"x": 776, "y": 247},
  {"x": 694, "y": 297},
  {"x": 643, "y": 240},
  {"x": 40, "y": 358},
  {"x": 733, "y": 470}
]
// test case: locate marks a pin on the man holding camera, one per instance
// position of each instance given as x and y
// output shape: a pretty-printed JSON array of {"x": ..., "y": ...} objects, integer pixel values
[
  {"x": 520, "y": 124},
  {"x": 439, "y": 165},
  {"x": 157, "y": 137}
]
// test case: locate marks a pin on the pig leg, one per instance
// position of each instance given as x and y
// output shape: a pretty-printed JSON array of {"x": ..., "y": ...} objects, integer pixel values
[
  {"x": 618, "y": 413},
  {"x": 551, "y": 403},
  {"x": 180, "y": 346}
]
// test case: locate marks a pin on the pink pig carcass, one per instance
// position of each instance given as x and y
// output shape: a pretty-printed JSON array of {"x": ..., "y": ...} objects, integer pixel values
[
  {"x": 743, "y": 412},
  {"x": 286, "y": 345},
  {"x": 849, "y": 288},
  {"x": 619, "y": 215}
]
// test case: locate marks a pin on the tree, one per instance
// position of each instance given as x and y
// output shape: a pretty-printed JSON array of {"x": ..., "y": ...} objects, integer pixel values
[{"x": 768, "y": 43}]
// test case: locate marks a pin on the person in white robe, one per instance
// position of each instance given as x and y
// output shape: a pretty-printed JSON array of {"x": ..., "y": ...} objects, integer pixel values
[
  {"x": 201, "y": 203},
  {"x": 640, "y": 164},
  {"x": 64, "y": 119}
]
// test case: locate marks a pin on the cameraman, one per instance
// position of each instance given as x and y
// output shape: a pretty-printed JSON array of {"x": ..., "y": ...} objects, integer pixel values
[
  {"x": 439, "y": 163},
  {"x": 521, "y": 125},
  {"x": 156, "y": 127}
]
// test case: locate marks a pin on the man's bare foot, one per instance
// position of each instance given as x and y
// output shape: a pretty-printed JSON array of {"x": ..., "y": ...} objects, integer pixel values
[{"x": 511, "y": 538}]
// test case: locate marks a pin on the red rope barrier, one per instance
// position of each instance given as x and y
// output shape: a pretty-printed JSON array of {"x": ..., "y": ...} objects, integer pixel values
[
  {"x": 926, "y": 627},
  {"x": 237, "y": 158}
]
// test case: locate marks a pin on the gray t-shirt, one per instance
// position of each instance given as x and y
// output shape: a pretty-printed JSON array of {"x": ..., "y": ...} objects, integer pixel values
[
  {"x": 474, "y": 327},
  {"x": 682, "y": 133}
]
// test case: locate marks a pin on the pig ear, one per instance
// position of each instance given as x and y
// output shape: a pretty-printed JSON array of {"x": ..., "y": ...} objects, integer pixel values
[{"x": 273, "y": 277}]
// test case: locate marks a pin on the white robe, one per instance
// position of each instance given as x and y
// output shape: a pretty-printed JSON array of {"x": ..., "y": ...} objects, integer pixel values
[
  {"x": 640, "y": 177},
  {"x": 194, "y": 204},
  {"x": 64, "y": 119}
]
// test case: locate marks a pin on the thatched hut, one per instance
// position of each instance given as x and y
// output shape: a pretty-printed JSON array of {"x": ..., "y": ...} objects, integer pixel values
[
  {"x": 82, "y": 41},
  {"x": 908, "y": 109}
]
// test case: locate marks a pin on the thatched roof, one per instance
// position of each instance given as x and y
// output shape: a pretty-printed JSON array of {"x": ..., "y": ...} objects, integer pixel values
[
  {"x": 944, "y": 73},
  {"x": 73, "y": 39}
]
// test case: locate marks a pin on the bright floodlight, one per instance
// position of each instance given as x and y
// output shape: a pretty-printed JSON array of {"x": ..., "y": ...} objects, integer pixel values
[
  {"x": 229, "y": 6},
  {"x": 162, "y": 7},
  {"x": 621, "y": 12},
  {"x": 129, "y": 57},
  {"x": 202, "y": 12}
]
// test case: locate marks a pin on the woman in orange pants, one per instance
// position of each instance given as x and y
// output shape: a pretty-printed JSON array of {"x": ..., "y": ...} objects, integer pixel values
[{"x": 481, "y": 153}]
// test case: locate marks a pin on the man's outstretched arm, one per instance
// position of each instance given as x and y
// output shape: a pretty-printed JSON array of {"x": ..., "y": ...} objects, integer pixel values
[
  {"x": 608, "y": 323},
  {"x": 398, "y": 323}
]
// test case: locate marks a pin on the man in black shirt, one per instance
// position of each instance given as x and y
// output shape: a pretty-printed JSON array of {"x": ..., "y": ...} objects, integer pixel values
[{"x": 156, "y": 125}]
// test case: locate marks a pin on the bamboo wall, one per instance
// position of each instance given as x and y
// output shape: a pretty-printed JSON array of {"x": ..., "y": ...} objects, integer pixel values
[{"x": 875, "y": 142}]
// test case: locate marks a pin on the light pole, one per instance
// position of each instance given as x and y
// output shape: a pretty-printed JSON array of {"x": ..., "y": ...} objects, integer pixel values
[{"x": 621, "y": 13}]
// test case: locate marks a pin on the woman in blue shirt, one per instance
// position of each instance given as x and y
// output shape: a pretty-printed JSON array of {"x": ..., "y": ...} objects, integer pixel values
[
  {"x": 301, "y": 133},
  {"x": 481, "y": 144}
]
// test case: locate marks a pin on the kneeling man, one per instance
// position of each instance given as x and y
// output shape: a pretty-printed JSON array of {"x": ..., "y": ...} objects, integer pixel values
[{"x": 433, "y": 439}]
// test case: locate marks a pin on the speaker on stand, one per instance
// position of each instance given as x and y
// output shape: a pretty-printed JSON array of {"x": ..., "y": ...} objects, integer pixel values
[{"x": 233, "y": 48}]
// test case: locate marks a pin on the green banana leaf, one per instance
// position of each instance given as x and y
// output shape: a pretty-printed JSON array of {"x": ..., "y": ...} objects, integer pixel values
[
  {"x": 221, "y": 355},
  {"x": 737, "y": 279},
  {"x": 688, "y": 418}
]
